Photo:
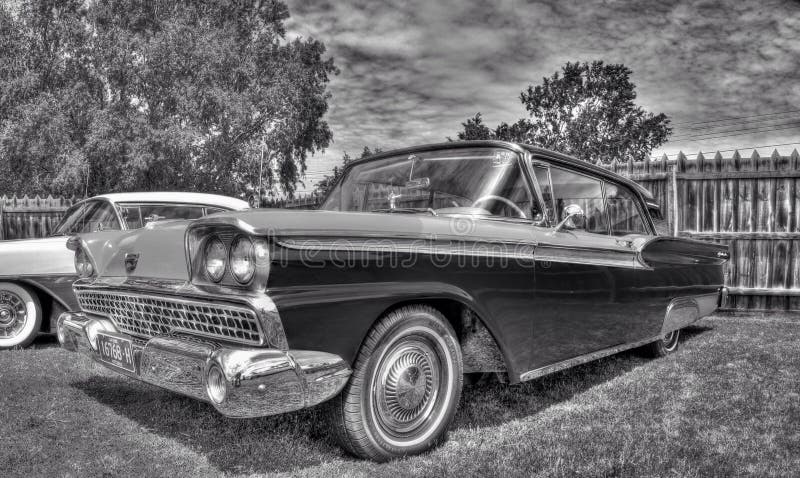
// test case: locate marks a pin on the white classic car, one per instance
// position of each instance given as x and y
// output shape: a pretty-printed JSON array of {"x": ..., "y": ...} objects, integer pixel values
[{"x": 36, "y": 275}]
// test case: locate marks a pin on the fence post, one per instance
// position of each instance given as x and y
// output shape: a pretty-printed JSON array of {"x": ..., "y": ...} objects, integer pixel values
[{"x": 675, "y": 213}]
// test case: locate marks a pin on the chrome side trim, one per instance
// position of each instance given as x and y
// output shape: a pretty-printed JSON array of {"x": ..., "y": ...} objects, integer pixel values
[
  {"x": 576, "y": 255},
  {"x": 582, "y": 359},
  {"x": 513, "y": 250},
  {"x": 681, "y": 312}
]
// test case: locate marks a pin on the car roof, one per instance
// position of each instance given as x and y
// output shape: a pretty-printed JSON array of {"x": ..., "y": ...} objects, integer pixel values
[
  {"x": 177, "y": 197},
  {"x": 535, "y": 150}
]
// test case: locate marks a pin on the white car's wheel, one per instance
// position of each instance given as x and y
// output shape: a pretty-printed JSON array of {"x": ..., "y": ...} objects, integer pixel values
[
  {"x": 20, "y": 315},
  {"x": 405, "y": 387}
]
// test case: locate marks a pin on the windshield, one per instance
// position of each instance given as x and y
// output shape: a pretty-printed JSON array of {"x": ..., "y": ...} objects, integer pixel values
[
  {"x": 88, "y": 216},
  {"x": 475, "y": 181}
]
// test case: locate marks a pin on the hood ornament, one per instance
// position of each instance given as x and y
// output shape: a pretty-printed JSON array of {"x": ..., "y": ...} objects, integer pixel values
[{"x": 131, "y": 261}]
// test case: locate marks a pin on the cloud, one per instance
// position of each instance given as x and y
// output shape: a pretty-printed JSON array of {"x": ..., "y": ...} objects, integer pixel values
[{"x": 412, "y": 71}]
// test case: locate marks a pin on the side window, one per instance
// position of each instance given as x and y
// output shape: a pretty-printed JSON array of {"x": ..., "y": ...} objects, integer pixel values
[
  {"x": 138, "y": 215},
  {"x": 131, "y": 215},
  {"x": 214, "y": 210},
  {"x": 543, "y": 178},
  {"x": 100, "y": 216},
  {"x": 660, "y": 222},
  {"x": 623, "y": 212},
  {"x": 573, "y": 188}
]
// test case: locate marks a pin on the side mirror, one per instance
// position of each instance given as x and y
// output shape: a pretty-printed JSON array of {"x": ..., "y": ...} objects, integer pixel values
[{"x": 570, "y": 212}]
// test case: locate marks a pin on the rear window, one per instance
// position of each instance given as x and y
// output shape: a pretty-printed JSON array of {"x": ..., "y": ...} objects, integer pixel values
[{"x": 138, "y": 215}]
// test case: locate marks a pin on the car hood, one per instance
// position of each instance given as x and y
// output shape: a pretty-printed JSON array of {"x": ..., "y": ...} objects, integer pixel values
[
  {"x": 283, "y": 223},
  {"x": 160, "y": 248},
  {"x": 36, "y": 257}
]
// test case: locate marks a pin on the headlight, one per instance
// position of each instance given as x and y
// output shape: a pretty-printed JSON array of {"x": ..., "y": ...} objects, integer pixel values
[
  {"x": 216, "y": 259},
  {"x": 83, "y": 265},
  {"x": 243, "y": 261}
]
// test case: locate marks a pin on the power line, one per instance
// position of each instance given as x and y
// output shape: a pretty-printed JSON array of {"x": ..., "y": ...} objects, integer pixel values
[
  {"x": 737, "y": 134},
  {"x": 700, "y": 135},
  {"x": 734, "y": 149},
  {"x": 736, "y": 117},
  {"x": 759, "y": 122}
]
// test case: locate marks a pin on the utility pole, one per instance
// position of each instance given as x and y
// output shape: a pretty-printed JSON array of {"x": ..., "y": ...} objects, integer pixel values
[{"x": 260, "y": 174}]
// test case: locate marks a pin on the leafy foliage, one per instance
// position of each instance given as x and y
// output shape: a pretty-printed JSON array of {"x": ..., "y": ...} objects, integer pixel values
[
  {"x": 118, "y": 95},
  {"x": 586, "y": 110},
  {"x": 330, "y": 180}
]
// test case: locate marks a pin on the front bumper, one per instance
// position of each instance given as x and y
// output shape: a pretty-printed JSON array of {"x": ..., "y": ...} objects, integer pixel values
[{"x": 253, "y": 382}]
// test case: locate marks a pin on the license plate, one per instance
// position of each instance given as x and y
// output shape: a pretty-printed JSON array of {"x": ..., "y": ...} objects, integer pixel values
[{"x": 116, "y": 351}]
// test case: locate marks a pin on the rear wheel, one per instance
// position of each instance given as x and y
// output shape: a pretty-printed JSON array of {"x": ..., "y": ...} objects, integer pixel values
[
  {"x": 20, "y": 315},
  {"x": 665, "y": 346},
  {"x": 405, "y": 387}
]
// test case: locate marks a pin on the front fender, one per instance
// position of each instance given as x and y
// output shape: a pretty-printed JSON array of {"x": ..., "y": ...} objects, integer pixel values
[{"x": 336, "y": 318}]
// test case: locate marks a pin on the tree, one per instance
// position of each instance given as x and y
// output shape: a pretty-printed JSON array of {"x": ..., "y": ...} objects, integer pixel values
[
  {"x": 586, "y": 110},
  {"x": 330, "y": 180},
  {"x": 157, "y": 95}
]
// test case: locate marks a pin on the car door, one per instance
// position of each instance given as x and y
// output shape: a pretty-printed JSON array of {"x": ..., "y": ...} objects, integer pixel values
[{"x": 585, "y": 277}]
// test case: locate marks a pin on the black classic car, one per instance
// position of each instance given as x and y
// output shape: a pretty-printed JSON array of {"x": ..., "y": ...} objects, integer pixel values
[{"x": 422, "y": 265}]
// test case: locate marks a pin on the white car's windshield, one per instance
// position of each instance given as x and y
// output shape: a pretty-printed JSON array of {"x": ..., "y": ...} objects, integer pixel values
[
  {"x": 88, "y": 216},
  {"x": 475, "y": 181}
]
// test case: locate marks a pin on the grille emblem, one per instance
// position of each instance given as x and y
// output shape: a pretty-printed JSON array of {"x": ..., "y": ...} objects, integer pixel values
[{"x": 131, "y": 260}]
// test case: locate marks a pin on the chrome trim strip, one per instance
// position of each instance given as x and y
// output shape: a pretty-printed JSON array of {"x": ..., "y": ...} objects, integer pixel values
[
  {"x": 681, "y": 312},
  {"x": 588, "y": 256},
  {"x": 582, "y": 359},
  {"x": 514, "y": 250}
]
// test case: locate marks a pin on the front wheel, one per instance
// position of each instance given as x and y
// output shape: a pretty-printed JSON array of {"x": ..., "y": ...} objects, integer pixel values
[
  {"x": 405, "y": 387},
  {"x": 665, "y": 346},
  {"x": 20, "y": 316}
]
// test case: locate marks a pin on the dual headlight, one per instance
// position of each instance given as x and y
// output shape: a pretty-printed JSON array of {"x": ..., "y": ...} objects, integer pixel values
[{"x": 240, "y": 258}]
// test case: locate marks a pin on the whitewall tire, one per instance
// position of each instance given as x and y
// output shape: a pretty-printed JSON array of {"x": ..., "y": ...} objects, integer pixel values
[
  {"x": 20, "y": 315},
  {"x": 665, "y": 346},
  {"x": 405, "y": 387}
]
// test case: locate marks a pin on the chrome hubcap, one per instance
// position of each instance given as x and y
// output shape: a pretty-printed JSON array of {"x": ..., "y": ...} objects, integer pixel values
[
  {"x": 408, "y": 385},
  {"x": 12, "y": 314},
  {"x": 408, "y": 381},
  {"x": 671, "y": 340}
]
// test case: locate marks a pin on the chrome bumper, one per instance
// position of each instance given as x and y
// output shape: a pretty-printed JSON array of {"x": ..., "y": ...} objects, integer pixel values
[{"x": 245, "y": 381}]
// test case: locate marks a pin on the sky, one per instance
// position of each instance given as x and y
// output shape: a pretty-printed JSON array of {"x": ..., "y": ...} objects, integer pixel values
[{"x": 725, "y": 72}]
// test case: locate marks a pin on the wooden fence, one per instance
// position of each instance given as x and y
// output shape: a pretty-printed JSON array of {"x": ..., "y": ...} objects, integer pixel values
[
  {"x": 309, "y": 201},
  {"x": 750, "y": 203},
  {"x": 25, "y": 217}
]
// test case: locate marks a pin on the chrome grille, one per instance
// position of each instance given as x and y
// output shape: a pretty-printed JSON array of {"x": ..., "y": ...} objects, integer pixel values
[{"x": 147, "y": 316}]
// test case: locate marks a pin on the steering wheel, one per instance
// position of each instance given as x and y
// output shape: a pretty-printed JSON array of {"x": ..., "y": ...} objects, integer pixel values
[{"x": 506, "y": 201}]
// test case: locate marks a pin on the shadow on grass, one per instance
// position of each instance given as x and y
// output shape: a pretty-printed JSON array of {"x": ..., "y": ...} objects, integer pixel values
[
  {"x": 301, "y": 439},
  {"x": 491, "y": 402},
  {"x": 44, "y": 341}
]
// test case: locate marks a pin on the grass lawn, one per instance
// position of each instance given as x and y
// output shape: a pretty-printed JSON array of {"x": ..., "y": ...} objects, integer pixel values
[{"x": 727, "y": 403}]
